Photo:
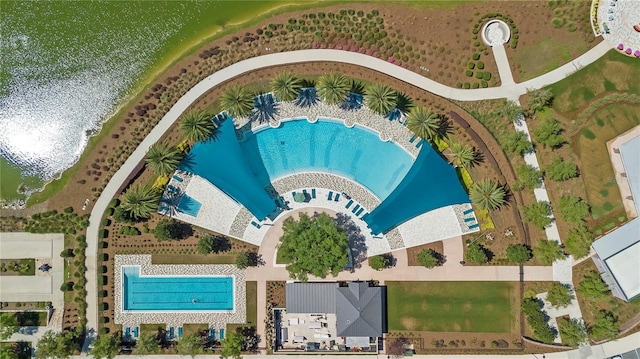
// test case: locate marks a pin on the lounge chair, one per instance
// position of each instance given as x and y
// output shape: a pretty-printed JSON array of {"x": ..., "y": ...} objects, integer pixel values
[
  {"x": 253, "y": 223},
  {"x": 469, "y": 219},
  {"x": 357, "y": 207},
  {"x": 305, "y": 193},
  {"x": 313, "y": 193},
  {"x": 179, "y": 332},
  {"x": 474, "y": 226},
  {"x": 412, "y": 139},
  {"x": 212, "y": 334},
  {"x": 177, "y": 178},
  {"x": 359, "y": 211},
  {"x": 221, "y": 331},
  {"x": 470, "y": 210},
  {"x": 127, "y": 333},
  {"x": 330, "y": 196},
  {"x": 349, "y": 204},
  {"x": 171, "y": 333},
  {"x": 135, "y": 332},
  {"x": 337, "y": 197}
]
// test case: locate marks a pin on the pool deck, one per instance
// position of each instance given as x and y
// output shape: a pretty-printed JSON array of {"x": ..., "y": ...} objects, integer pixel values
[{"x": 178, "y": 318}]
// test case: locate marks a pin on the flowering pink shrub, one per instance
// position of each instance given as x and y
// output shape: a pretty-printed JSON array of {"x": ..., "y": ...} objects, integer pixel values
[
  {"x": 391, "y": 59},
  {"x": 362, "y": 51},
  {"x": 637, "y": 53},
  {"x": 628, "y": 51},
  {"x": 399, "y": 62},
  {"x": 332, "y": 46},
  {"x": 620, "y": 47},
  {"x": 369, "y": 52}
]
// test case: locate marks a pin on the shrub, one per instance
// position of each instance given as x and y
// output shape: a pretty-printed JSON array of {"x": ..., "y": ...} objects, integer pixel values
[
  {"x": 480, "y": 65},
  {"x": 476, "y": 56},
  {"x": 476, "y": 43},
  {"x": 467, "y": 85},
  {"x": 471, "y": 65},
  {"x": 103, "y": 233},
  {"x": 559, "y": 170},
  {"x": 102, "y": 280},
  {"x": 571, "y": 27},
  {"x": 475, "y": 85},
  {"x": 486, "y": 75},
  {"x": 518, "y": 253},
  {"x": 429, "y": 258},
  {"x": 572, "y": 208},
  {"x": 459, "y": 85},
  {"x": 68, "y": 210},
  {"x": 559, "y": 295},
  {"x": 106, "y": 222},
  {"x": 548, "y": 251},
  {"x": 528, "y": 176},
  {"x": 479, "y": 75},
  {"x": 537, "y": 214},
  {"x": 476, "y": 253},
  {"x": 379, "y": 262},
  {"x": 484, "y": 84},
  {"x": 557, "y": 22},
  {"x": 469, "y": 73}
]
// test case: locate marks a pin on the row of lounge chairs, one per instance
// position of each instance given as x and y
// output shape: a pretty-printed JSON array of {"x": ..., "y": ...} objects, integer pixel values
[{"x": 171, "y": 333}]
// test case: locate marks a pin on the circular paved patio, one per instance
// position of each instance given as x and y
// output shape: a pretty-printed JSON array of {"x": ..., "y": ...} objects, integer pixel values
[{"x": 620, "y": 24}]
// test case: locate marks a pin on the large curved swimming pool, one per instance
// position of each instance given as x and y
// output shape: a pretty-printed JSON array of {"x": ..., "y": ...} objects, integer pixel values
[{"x": 298, "y": 146}]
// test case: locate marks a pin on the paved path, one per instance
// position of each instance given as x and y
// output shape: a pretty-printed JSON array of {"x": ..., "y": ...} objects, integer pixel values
[
  {"x": 500, "y": 55},
  {"x": 239, "y": 68}
]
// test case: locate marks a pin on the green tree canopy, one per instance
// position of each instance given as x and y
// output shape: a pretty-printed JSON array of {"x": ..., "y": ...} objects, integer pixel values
[
  {"x": 333, "y": 88},
  {"x": 538, "y": 99},
  {"x": 537, "y": 214},
  {"x": 510, "y": 110},
  {"x": 516, "y": 142},
  {"x": 548, "y": 251},
  {"x": 140, "y": 201},
  {"x": 379, "y": 262},
  {"x": 105, "y": 347},
  {"x": 197, "y": 126},
  {"x": 559, "y": 295},
  {"x": 593, "y": 287},
  {"x": 605, "y": 326},
  {"x": 578, "y": 242},
  {"x": 54, "y": 345},
  {"x": 285, "y": 86},
  {"x": 529, "y": 177},
  {"x": 167, "y": 230},
  {"x": 537, "y": 321},
  {"x": 487, "y": 194},
  {"x": 8, "y": 325},
  {"x": 146, "y": 344},
  {"x": 559, "y": 170},
  {"x": 380, "y": 98},
  {"x": 424, "y": 123},
  {"x": 572, "y": 332},
  {"x": 163, "y": 158},
  {"x": 518, "y": 253},
  {"x": 476, "y": 253},
  {"x": 315, "y": 246},
  {"x": 206, "y": 244},
  {"x": 549, "y": 133},
  {"x": 190, "y": 345},
  {"x": 237, "y": 100},
  {"x": 572, "y": 209},
  {"x": 429, "y": 258},
  {"x": 231, "y": 346},
  {"x": 8, "y": 352},
  {"x": 246, "y": 259},
  {"x": 462, "y": 154}
]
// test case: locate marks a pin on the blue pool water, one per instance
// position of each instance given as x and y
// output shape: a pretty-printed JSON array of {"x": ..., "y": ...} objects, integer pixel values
[
  {"x": 327, "y": 146},
  {"x": 189, "y": 206},
  {"x": 175, "y": 293}
]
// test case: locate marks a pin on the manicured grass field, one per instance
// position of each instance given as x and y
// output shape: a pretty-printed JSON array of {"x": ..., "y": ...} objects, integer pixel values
[
  {"x": 596, "y": 170},
  {"x": 544, "y": 56},
  {"x": 488, "y": 307},
  {"x": 612, "y": 72},
  {"x": 252, "y": 307}
]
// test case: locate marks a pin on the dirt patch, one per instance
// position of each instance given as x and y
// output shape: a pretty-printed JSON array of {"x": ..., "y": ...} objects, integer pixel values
[{"x": 412, "y": 253}]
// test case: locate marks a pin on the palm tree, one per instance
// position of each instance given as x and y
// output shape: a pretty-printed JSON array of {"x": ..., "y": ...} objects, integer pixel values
[
  {"x": 285, "y": 86},
  {"x": 163, "y": 158},
  {"x": 196, "y": 126},
  {"x": 424, "y": 123},
  {"x": 461, "y": 154},
  {"x": 333, "y": 88},
  {"x": 487, "y": 194},
  {"x": 237, "y": 100},
  {"x": 140, "y": 201},
  {"x": 380, "y": 98}
]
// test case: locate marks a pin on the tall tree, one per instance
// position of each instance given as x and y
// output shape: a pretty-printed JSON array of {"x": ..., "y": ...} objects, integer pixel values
[
  {"x": 8, "y": 325},
  {"x": 538, "y": 99},
  {"x": 333, "y": 88},
  {"x": 518, "y": 253},
  {"x": 487, "y": 194},
  {"x": 573, "y": 332},
  {"x": 528, "y": 176},
  {"x": 237, "y": 100},
  {"x": 476, "y": 253},
  {"x": 105, "y": 347},
  {"x": 572, "y": 209},
  {"x": 140, "y": 201},
  {"x": 537, "y": 214},
  {"x": 380, "y": 98},
  {"x": 579, "y": 239},
  {"x": 197, "y": 126},
  {"x": 424, "y": 123},
  {"x": 286, "y": 86},
  {"x": 231, "y": 346},
  {"x": 559, "y": 295},
  {"x": 593, "y": 287},
  {"x": 146, "y": 344},
  {"x": 510, "y": 110},
  {"x": 190, "y": 345},
  {"x": 605, "y": 326},
  {"x": 315, "y": 246},
  {"x": 559, "y": 170},
  {"x": 163, "y": 158},
  {"x": 54, "y": 345},
  {"x": 462, "y": 154},
  {"x": 549, "y": 133},
  {"x": 429, "y": 258},
  {"x": 548, "y": 251}
]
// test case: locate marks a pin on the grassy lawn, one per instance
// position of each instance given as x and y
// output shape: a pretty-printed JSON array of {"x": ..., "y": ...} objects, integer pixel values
[
  {"x": 612, "y": 72},
  {"x": 193, "y": 329},
  {"x": 597, "y": 172},
  {"x": 151, "y": 328},
  {"x": 489, "y": 307},
  {"x": 252, "y": 307},
  {"x": 544, "y": 56},
  {"x": 193, "y": 259}
]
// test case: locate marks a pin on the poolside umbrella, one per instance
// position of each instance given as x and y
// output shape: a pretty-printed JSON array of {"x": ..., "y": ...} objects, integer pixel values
[{"x": 299, "y": 197}]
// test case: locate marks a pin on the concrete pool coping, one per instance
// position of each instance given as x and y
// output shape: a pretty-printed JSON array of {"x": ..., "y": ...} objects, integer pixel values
[{"x": 215, "y": 319}]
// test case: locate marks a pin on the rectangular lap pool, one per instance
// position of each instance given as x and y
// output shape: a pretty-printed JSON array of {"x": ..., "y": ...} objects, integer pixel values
[{"x": 176, "y": 293}]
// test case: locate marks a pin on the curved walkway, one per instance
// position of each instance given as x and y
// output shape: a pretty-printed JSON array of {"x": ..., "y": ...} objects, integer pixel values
[{"x": 239, "y": 68}]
